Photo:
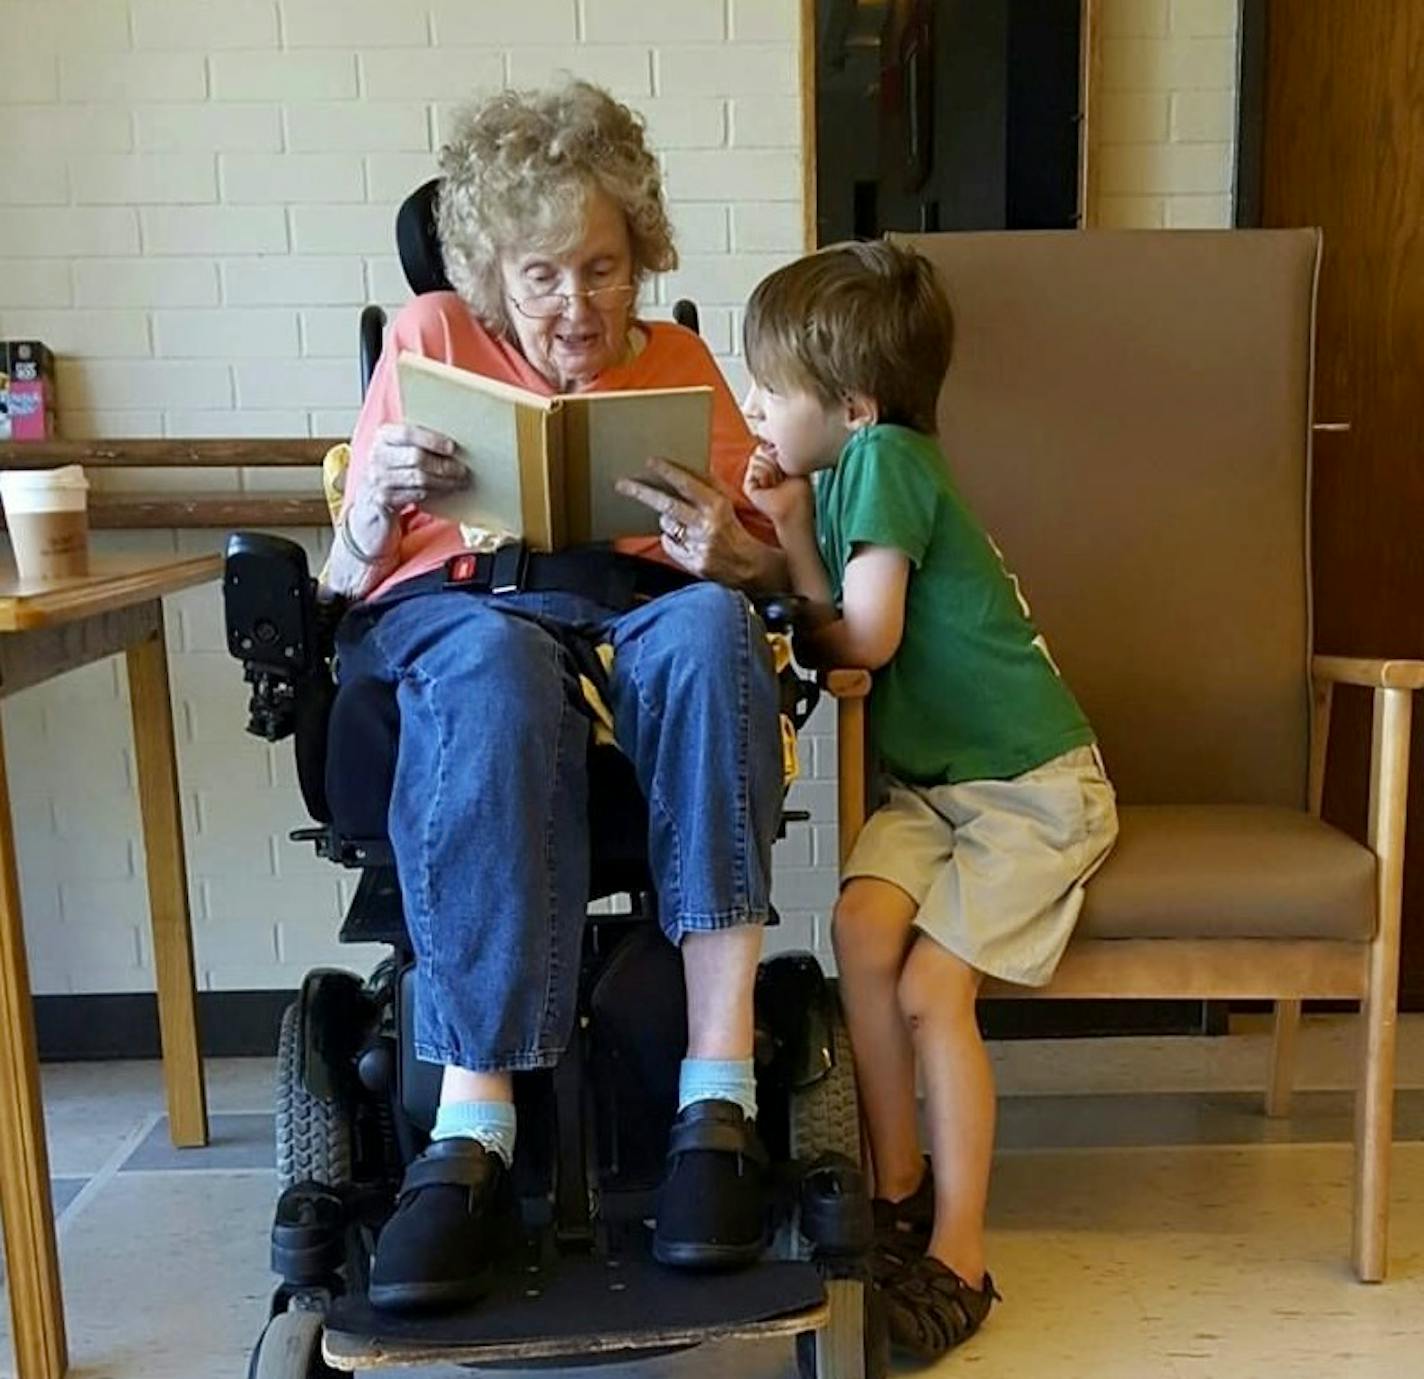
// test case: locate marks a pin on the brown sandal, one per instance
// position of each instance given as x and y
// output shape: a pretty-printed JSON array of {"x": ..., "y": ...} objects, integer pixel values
[{"x": 930, "y": 1309}]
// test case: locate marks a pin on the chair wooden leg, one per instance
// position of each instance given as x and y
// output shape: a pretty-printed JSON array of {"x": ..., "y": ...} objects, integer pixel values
[
  {"x": 1374, "y": 1100},
  {"x": 1283, "y": 1043},
  {"x": 850, "y": 772},
  {"x": 1374, "y": 1131},
  {"x": 1286, "y": 1028}
]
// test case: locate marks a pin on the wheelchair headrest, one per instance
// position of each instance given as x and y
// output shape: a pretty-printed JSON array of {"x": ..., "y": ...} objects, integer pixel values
[{"x": 419, "y": 242}]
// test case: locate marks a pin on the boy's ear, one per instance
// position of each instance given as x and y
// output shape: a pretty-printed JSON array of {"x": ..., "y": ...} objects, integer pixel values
[{"x": 860, "y": 411}]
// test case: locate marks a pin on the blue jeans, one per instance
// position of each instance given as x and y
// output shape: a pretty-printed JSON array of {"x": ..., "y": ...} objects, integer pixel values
[{"x": 489, "y": 810}]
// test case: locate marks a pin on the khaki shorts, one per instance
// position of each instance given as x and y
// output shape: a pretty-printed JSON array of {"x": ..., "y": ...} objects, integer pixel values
[{"x": 997, "y": 867}]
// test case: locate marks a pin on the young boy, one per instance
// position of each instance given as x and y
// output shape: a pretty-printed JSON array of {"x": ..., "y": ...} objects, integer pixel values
[{"x": 998, "y": 810}]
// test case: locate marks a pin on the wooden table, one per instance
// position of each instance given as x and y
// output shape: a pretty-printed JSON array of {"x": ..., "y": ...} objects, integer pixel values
[{"x": 46, "y": 629}]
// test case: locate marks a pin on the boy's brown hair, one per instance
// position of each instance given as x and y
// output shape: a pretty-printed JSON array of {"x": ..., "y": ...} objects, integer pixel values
[{"x": 860, "y": 317}]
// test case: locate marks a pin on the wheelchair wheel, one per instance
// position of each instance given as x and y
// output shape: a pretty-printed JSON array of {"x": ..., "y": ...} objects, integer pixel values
[
  {"x": 313, "y": 1133},
  {"x": 825, "y": 1117},
  {"x": 290, "y": 1348},
  {"x": 825, "y": 1120}
]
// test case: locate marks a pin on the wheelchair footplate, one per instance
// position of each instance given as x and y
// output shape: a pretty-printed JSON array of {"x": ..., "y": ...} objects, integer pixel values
[{"x": 583, "y": 1307}]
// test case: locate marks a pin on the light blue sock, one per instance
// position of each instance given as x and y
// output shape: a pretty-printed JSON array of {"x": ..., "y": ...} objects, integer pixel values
[
  {"x": 718, "y": 1079},
  {"x": 492, "y": 1123}
]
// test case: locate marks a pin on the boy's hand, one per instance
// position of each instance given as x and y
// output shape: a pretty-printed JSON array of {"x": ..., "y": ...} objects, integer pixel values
[{"x": 787, "y": 500}]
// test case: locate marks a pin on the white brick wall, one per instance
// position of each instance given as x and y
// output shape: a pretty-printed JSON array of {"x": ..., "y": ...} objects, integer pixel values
[
  {"x": 1166, "y": 122},
  {"x": 195, "y": 200},
  {"x": 166, "y": 157},
  {"x": 167, "y": 218}
]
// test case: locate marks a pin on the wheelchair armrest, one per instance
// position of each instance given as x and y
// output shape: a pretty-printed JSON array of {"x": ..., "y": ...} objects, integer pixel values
[
  {"x": 792, "y": 612},
  {"x": 780, "y": 612},
  {"x": 276, "y": 627}
]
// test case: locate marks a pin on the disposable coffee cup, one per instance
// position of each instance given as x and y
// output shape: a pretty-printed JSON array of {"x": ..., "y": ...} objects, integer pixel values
[{"x": 47, "y": 512}]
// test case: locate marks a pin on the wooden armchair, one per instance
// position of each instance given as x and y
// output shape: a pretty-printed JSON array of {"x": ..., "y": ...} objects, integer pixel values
[{"x": 1130, "y": 415}]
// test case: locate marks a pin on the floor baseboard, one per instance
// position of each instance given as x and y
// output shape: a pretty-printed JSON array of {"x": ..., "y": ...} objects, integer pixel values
[{"x": 95, "y": 1028}]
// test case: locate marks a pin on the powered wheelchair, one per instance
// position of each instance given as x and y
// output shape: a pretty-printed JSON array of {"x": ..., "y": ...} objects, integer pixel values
[{"x": 355, "y": 1106}]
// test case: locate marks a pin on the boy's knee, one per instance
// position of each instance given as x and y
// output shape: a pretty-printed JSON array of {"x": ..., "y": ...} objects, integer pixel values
[
  {"x": 863, "y": 938},
  {"x": 934, "y": 984}
]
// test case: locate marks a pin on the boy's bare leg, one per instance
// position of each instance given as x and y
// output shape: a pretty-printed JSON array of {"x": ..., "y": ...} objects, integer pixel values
[
  {"x": 937, "y": 994},
  {"x": 872, "y": 930}
]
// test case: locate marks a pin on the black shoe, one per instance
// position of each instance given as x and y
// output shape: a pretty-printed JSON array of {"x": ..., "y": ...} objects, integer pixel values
[
  {"x": 712, "y": 1210},
  {"x": 903, "y": 1229},
  {"x": 455, "y": 1219},
  {"x": 929, "y": 1309}
]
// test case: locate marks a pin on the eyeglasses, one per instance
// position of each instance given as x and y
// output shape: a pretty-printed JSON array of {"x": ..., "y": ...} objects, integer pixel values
[{"x": 547, "y": 304}]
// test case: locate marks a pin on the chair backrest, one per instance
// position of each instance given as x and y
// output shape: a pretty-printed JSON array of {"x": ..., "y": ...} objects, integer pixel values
[{"x": 1129, "y": 415}]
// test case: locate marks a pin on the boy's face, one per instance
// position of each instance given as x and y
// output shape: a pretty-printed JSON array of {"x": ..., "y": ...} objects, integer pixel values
[{"x": 794, "y": 428}]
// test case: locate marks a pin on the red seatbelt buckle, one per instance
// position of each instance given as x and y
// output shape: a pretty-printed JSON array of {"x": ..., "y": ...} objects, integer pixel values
[{"x": 463, "y": 569}]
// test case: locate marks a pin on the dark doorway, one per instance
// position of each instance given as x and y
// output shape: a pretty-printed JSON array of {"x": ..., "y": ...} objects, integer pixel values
[{"x": 946, "y": 115}]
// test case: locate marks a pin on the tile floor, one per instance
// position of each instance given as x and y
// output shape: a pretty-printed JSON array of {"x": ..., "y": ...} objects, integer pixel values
[{"x": 1146, "y": 1221}]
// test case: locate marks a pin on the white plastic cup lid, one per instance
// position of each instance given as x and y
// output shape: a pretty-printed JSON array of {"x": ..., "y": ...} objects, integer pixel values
[
  {"x": 44, "y": 490},
  {"x": 20, "y": 480}
]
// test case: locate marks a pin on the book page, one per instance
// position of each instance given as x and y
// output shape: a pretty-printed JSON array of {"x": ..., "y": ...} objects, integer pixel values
[
  {"x": 482, "y": 417},
  {"x": 623, "y": 429}
]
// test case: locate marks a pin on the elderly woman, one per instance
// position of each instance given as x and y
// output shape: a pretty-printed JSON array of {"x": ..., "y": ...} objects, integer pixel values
[{"x": 550, "y": 216}]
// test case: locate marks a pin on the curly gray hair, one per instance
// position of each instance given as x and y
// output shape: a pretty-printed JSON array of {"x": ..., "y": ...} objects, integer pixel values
[{"x": 518, "y": 168}]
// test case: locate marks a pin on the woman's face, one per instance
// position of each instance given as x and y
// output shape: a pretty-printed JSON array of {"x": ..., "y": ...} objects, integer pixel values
[{"x": 586, "y": 334}]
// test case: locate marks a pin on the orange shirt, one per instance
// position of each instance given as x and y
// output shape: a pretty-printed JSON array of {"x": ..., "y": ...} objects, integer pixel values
[{"x": 440, "y": 326}]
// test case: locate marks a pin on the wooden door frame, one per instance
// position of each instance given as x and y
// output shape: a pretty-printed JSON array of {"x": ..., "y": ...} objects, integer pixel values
[
  {"x": 808, "y": 124},
  {"x": 1250, "y": 113},
  {"x": 1090, "y": 83}
]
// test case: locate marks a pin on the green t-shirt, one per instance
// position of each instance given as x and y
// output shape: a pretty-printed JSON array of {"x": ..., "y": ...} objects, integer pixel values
[{"x": 972, "y": 693}]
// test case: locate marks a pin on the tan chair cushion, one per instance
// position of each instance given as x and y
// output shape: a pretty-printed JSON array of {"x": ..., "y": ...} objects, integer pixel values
[{"x": 1230, "y": 871}]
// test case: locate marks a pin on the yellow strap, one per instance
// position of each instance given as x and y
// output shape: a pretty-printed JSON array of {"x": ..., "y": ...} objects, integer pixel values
[
  {"x": 780, "y": 645},
  {"x": 334, "y": 465},
  {"x": 598, "y": 707},
  {"x": 790, "y": 756},
  {"x": 603, "y": 717}
]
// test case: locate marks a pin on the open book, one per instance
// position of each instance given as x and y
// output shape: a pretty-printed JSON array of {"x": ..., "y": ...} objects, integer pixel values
[{"x": 544, "y": 467}]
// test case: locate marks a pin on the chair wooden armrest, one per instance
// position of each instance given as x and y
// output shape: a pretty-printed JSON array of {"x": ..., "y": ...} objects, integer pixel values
[
  {"x": 846, "y": 684},
  {"x": 1367, "y": 671},
  {"x": 850, "y": 689}
]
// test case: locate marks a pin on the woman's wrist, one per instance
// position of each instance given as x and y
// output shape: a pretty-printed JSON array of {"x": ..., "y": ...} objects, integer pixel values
[
  {"x": 751, "y": 566},
  {"x": 370, "y": 532}
]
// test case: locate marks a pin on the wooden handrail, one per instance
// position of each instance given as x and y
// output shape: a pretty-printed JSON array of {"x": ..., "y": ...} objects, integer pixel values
[
  {"x": 128, "y": 509},
  {"x": 229, "y": 452}
]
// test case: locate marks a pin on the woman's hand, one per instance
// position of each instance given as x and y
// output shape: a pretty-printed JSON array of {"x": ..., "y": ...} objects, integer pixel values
[
  {"x": 410, "y": 465},
  {"x": 700, "y": 530},
  {"x": 786, "y": 499}
]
